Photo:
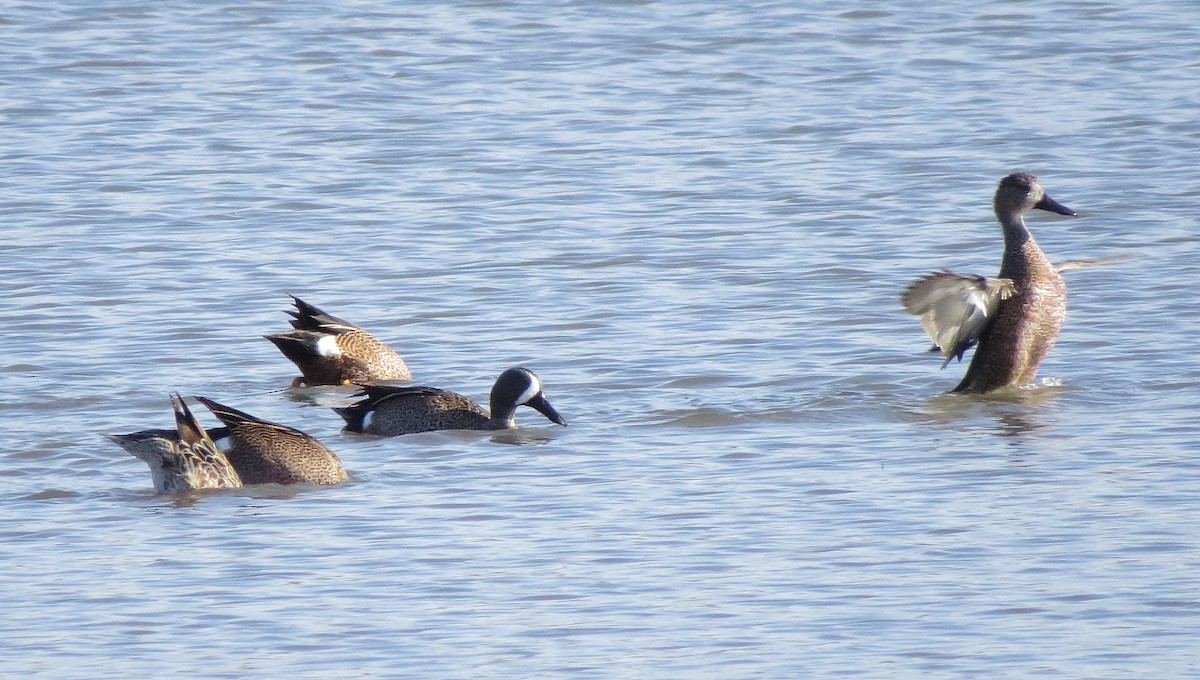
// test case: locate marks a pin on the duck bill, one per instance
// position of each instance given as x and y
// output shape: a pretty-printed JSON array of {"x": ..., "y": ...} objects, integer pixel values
[
  {"x": 1052, "y": 205},
  {"x": 543, "y": 407}
]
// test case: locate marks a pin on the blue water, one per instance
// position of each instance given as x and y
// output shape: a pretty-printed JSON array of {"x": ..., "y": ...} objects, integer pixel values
[{"x": 693, "y": 220}]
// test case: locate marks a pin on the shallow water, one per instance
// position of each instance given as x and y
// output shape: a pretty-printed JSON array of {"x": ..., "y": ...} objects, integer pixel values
[{"x": 693, "y": 220}]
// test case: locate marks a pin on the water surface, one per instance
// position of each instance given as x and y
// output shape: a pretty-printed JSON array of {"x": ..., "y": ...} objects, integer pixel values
[{"x": 693, "y": 220}]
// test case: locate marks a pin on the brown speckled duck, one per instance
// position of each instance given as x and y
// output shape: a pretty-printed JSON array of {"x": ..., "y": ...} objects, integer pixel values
[
  {"x": 183, "y": 459},
  {"x": 393, "y": 410},
  {"x": 263, "y": 452},
  {"x": 1015, "y": 318},
  {"x": 332, "y": 351}
]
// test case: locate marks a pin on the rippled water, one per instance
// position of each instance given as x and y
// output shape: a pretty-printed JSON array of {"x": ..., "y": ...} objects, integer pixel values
[{"x": 693, "y": 220}]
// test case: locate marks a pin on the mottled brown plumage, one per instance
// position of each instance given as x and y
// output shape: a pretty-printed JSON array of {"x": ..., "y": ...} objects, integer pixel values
[
  {"x": 263, "y": 452},
  {"x": 1015, "y": 323},
  {"x": 329, "y": 350},
  {"x": 183, "y": 459},
  {"x": 392, "y": 410}
]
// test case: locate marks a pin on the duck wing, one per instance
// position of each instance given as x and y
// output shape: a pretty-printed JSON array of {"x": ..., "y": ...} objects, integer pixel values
[
  {"x": 1070, "y": 265},
  {"x": 954, "y": 309}
]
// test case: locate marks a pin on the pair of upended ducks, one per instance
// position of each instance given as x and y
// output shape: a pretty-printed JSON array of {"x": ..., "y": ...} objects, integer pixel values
[
  {"x": 329, "y": 351},
  {"x": 1013, "y": 319}
]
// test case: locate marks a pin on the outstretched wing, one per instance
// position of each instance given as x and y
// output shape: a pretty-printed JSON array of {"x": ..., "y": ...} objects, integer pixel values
[
  {"x": 1080, "y": 263},
  {"x": 954, "y": 309}
]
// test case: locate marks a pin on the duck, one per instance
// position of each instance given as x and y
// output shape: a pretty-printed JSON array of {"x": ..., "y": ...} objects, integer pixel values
[
  {"x": 329, "y": 350},
  {"x": 184, "y": 459},
  {"x": 264, "y": 452},
  {"x": 1012, "y": 319},
  {"x": 390, "y": 410}
]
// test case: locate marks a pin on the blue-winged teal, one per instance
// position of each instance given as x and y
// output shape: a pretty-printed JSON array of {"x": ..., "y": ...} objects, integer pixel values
[
  {"x": 332, "y": 351},
  {"x": 263, "y": 452},
  {"x": 1015, "y": 318},
  {"x": 183, "y": 459},
  {"x": 389, "y": 410}
]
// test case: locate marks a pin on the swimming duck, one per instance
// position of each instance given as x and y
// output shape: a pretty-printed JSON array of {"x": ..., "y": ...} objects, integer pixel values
[
  {"x": 1014, "y": 318},
  {"x": 392, "y": 410},
  {"x": 183, "y": 459},
  {"x": 332, "y": 351},
  {"x": 263, "y": 452}
]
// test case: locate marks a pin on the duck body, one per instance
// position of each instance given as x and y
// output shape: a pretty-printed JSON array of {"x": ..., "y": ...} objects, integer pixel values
[
  {"x": 264, "y": 452},
  {"x": 329, "y": 350},
  {"x": 1014, "y": 319},
  {"x": 184, "y": 459},
  {"x": 1025, "y": 325},
  {"x": 392, "y": 410}
]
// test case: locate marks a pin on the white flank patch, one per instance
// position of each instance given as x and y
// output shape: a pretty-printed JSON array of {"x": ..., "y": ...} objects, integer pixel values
[
  {"x": 327, "y": 346},
  {"x": 535, "y": 386},
  {"x": 366, "y": 422},
  {"x": 223, "y": 444}
]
